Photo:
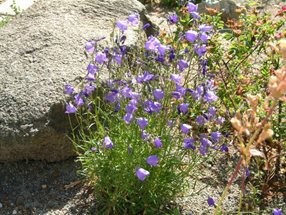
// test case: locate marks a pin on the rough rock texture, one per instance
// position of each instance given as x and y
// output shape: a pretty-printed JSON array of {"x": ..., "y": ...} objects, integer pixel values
[{"x": 40, "y": 51}]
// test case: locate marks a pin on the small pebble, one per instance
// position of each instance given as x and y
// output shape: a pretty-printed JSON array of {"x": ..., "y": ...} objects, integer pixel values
[
  {"x": 44, "y": 186},
  {"x": 1, "y": 206},
  {"x": 14, "y": 212}
]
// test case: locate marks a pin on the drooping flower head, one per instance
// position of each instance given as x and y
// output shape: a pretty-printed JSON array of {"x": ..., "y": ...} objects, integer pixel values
[
  {"x": 183, "y": 64},
  {"x": 210, "y": 96},
  {"x": 192, "y": 7},
  {"x": 185, "y": 128},
  {"x": 89, "y": 46},
  {"x": 122, "y": 25},
  {"x": 205, "y": 28},
  {"x": 188, "y": 143},
  {"x": 216, "y": 136},
  {"x": 152, "y": 160},
  {"x": 107, "y": 142},
  {"x": 152, "y": 44},
  {"x": 173, "y": 19},
  {"x": 176, "y": 78},
  {"x": 191, "y": 35},
  {"x": 68, "y": 89},
  {"x": 158, "y": 143},
  {"x": 142, "y": 122},
  {"x": 211, "y": 201},
  {"x": 128, "y": 117},
  {"x": 142, "y": 174},
  {"x": 100, "y": 57},
  {"x": 183, "y": 108},
  {"x": 158, "y": 94},
  {"x": 277, "y": 211},
  {"x": 78, "y": 100},
  {"x": 133, "y": 19},
  {"x": 70, "y": 108}
]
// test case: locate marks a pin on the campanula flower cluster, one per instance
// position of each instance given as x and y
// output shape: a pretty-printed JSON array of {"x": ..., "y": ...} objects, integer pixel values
[{"x": 149, "y": 107}]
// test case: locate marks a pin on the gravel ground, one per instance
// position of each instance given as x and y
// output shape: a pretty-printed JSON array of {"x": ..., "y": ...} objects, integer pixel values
[{"x": 36, "y": 187}]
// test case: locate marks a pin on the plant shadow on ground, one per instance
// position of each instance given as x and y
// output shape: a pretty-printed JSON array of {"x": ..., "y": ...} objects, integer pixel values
[{"x": 37, "y": 187}]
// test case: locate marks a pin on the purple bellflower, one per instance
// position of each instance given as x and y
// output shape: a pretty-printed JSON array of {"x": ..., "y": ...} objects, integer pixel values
[
  {"x": 70, "y": 108},
  {"x": 107, "y": 142},
  {"x": 68, "y": 89},
  {"x": 142, "y": 122},
  {"x": 122, "y": 25},
  {"x": 157, "y": 143},
  {"x": 152, "y": 160},
  {"x": 142, "y": 174}
]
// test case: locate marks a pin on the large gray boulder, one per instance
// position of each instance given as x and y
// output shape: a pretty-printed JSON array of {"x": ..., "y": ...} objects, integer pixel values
[{"x": 40, "y": 51}]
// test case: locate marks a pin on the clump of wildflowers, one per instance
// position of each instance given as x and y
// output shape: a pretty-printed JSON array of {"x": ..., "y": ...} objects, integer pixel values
[{"x": 154, "y": 112}]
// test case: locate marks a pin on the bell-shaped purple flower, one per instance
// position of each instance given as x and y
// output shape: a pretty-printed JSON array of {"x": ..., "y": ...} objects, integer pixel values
[
  {"x": 131, "y": 108},
  {"x": 107, "y": 142},
  {"x": 211, "y": 202},
  {"x": 112, "y": 96},
  {"x": 183, "y": 64},
  {"x": 216, "y": 136},
  {"x": 126, "y": 92},
  {"x": 183, "y": 108},
  {"x": 200, "y": 50},
  {"x": 145, "y": 77},
  {"x": 205, "y": 142},
  {"x": 220, "y": 120},
  {"x": 203, "y": 150},
  {"x": 210, "y": 96},
  {"x": 157, "y": 143},
  {"x": 201, "y": 120},
  {"x": 162, "y": 49},
  {"x": 212, "y": 111},
  {"x": 128, "y": 117},
  {"x": 204, "y": 37},
  {"x": 91, "y": 68},
  {"x": 188, "y": 143},
  {"x": 191, "y": 35},
  {"x": 195, "y": 15},
  {"x": 158, "y": 94},
  {"x": 173, "y": 19},
  {"x": 68, "y": 89},
  {"x": 145, "y": 136},
  {"x": 185, "y": 128},
  {"x": 118, "y": 58},
  {"x": 176, "y": 78},
  {"x": 89, "y": 46},
  {"x": 122, "y": 25},
  {"x": 70, "y": 108},
  {"x": 224, "y": 148},
  {"x": 89, "y": 89},
  {"x": 142, "y": 122},
  {"x": 152, "y": 44},
  {"x": 152, "y": 160},
  {"x": 192, "y": 7},
  {"x": 78, "y": 100},
  {"x": 277, "y": 211},
  {"x": 205, "y": 28},
  {"x": 155, "y": 107},
  {"x": 100, "y": 57},
  {"x": 142, "y": 174},
  {"x": 133, "y": 19}
]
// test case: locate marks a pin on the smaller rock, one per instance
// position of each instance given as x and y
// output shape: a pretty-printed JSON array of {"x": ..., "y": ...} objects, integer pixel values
[
  {"x": 14, "y": 212},
  {"x": 229, "y": 9},
  {"x": 1, "y": 206}
]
